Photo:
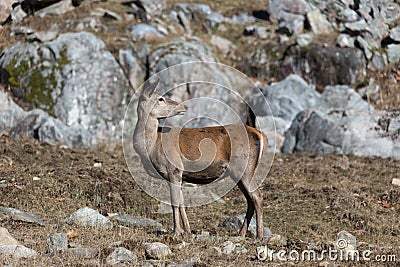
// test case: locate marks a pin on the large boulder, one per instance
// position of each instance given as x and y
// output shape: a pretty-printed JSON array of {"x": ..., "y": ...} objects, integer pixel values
[{"x": 76, "y": 80}]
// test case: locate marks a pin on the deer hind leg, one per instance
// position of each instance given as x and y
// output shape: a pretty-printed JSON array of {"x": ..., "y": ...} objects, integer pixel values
[
  {"x": 254, "y": 202},
  {"x": 184, "y": 217}
]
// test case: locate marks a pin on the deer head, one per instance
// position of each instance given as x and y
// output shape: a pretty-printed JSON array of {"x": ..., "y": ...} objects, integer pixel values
[{"x": 158, "y": 106}]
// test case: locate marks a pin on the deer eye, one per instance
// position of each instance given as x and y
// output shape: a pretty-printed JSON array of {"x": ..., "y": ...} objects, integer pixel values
[{"x": 161, "y": 99}]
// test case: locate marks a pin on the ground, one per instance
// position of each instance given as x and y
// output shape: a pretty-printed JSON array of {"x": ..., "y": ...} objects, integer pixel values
[{"x": 308, "y": 199}]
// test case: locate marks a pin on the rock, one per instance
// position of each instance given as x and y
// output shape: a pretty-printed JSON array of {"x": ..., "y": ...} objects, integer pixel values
[
  {"x": 348, "y": 15},
  {"x": 10, "y": 113},
  {"x": 346, "y": 241},
  {"x": 288, "y": 97},
  {"x": 393, "y": 52},
  {"x": 343, "y": 163},
  {"x": 43, "y": 36},
  {"x": 227, "y": 247},
  {"x": 276, "y": 7},
  {"x": 304, "y": 40},
  {"x": 378, "y": 61},
  {"x": 365, "y": 46},
  {"x": 223, "y": 45},
  {"x": 345, "y": 40},
  {"x": 214, "y": 19},
  {"x": 144, "y": 31},
  {"x": 241, "y": 18},
  {"x": 132, "y": 67},
  {"x": 377, "y": 31},
  {"x": 57, "y": 243},
  {"x": 318, "y": 22},
  {"x": 234, "y": 223},
  {"x": 5, "y": 9},
  {"x": 16, "y": 251},
  {"x": 357, "y": 26},
  {"x": 58, "y": 68},
  {"x": 291, "y": 23},
  {"x": 184, "y": 22},
  {"x": 154, "y": 7},
  {"x": 18, "y": 215},
  {"x": 81, "y": 253},
  {"x": 389, "y": 11},
  {"x": 136, "y": 222},
  {"x": 18, "y": 14},
  {"x": 256, "y": 30},
  {"x": 205, "y": 237},
  {"x": 6, "y": 238},
  {"x": 215, "y": 251},
  {"x": 120, "y": 256},
  {"x": 396, "y": 181},
  {"x": 157, "y": 250},
  {"x": 240, "y": 250},
  {"x": 101, "y": 12},
  {"x": 56, "y": 9},
  {"x": 190, "y": 10},
  {"x": 395, "y": 33},
  {"x": 87, "y": 217}
]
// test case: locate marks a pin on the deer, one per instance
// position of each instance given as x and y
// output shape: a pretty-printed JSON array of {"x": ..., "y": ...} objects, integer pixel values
[{"x": 197, "y": 155}]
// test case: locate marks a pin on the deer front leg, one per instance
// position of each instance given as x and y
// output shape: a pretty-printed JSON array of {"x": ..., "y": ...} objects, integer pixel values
[{"x": 176, "y": 192}]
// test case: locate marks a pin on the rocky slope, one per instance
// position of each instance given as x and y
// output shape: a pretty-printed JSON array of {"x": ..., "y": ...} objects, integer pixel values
[{"x": 69, "y": 68}]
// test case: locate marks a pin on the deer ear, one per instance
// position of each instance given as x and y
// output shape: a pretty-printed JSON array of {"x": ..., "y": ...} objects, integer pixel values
[{"x": 150, "y": 87}]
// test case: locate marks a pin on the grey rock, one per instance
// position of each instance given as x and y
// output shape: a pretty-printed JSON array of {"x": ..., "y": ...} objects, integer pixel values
[
  {"x": 6, "y": 238},
  {"x": 348, "y": 15},
  {"x": 132, "y": 66},
  {"x": 190, "y": 10},
  {"x": 55, "y": 9},
  {"x": 318, "y": 22},
  {"x": 228, "y": 247},
  {"x": 214, "y": 19},
  {"x": 154, "y": 7},
  {"x": 365, "y": 46},
  {"x": 43, "y": 36},
  {"x": 73, "y": 60},
  {"x": 17, "y": 215},
  {"x": 87, "y": 217},
  {"x": 350, "y": 240},
  {"x": 215, "y": 251},
  {"x": 10, "y": 113},
  {"x": 106, "y": 13},
  {"x": 357, "y": 26},
  {"x": 5, "y": 9},
  {"x": 257, "y": 30},
  {"x": 121, "y": 255},
  {"x": 136, "y": 222},
  {"x": 234, "y": 223},
  {"x": 185, "y": 22},
  {"x": 304, "y": 40},
  {"x": 241, "y": 18},
  {"x": 395, "y": 33},
  {"x": 288, "y": 97},
  {"x": 157, "y": 250},
  {"x": 144, "y": 31},
  {"x": 205, "y": 236},
  {"x": 378, "y": 61},
  {"x": 300, "y": 7},
  {"x": 16, "y": 251},
  {"x": 57, "y": 243},
  {"x": 17, "y": 14},
  {"x": 393, "y": 53},
  {"x": 389, "y": 11},
  {"x": 291, "y": 23},
  {"x": 240, "y": 250},
  {"x": 81, "y": 253},
  {"x": 345, "y": 40}
]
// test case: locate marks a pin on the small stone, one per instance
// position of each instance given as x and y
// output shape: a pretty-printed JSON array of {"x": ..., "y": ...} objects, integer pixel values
[
  {"x": 393, "y": 53},
  {"x": 227, "y": 247},
  {"x": 343, "y": 163},
  {"x": 82, "y": 253},
  {"x": 87, "y": 217},
  {"x": 304, "y": 39},
  {"x": 35, "y": 178},
  {"x": 183, "y": 245},
  {"x": 365, "y": 46},
  {"x": 378, "y": 61},
  {"x": 184, "y": 22},
  {"x": 240, "y": 250},
  {"x": 6, "y": 238},
  {"x": 346, "y": 241},
  {"x": 57, "y": 242},
  {"x": 357, "y": 26},
  {"x": 237, "y": 239},
  {"x": 348, "y": 15},
  {"x": 130, "y": 221},
  {"x": 345, "y": 40},
  {"x": 205, "y": 237},
  {"x": 157, "y": 250},
  {"x": 121, "y": 255},
  {"x": 43, "y": 36},
  {"x": 215, "y": 251},
  {"x": 18, "y": 14},
  {"x": 396, "y": 181},
  {"x": 97, "y": 164},
  {"x": 395, "y": 33},
  {"x": 16, "y": 251},
  {"x": 234, "y": 223},
  {"x": 222, "y": 44},
  {"x": 22, "y": 216},
  {"x": 319, "y": 23}
]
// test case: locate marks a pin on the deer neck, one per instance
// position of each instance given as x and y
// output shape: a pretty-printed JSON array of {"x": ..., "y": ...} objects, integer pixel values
[{"x": 145, "y": 135}]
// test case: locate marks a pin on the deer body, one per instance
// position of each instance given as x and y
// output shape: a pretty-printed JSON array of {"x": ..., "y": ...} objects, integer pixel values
[{"x": 198, "y": 155}]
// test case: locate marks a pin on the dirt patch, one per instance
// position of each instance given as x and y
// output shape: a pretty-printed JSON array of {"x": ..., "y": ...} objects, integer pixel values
[{"x": 308, "y": 199}]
